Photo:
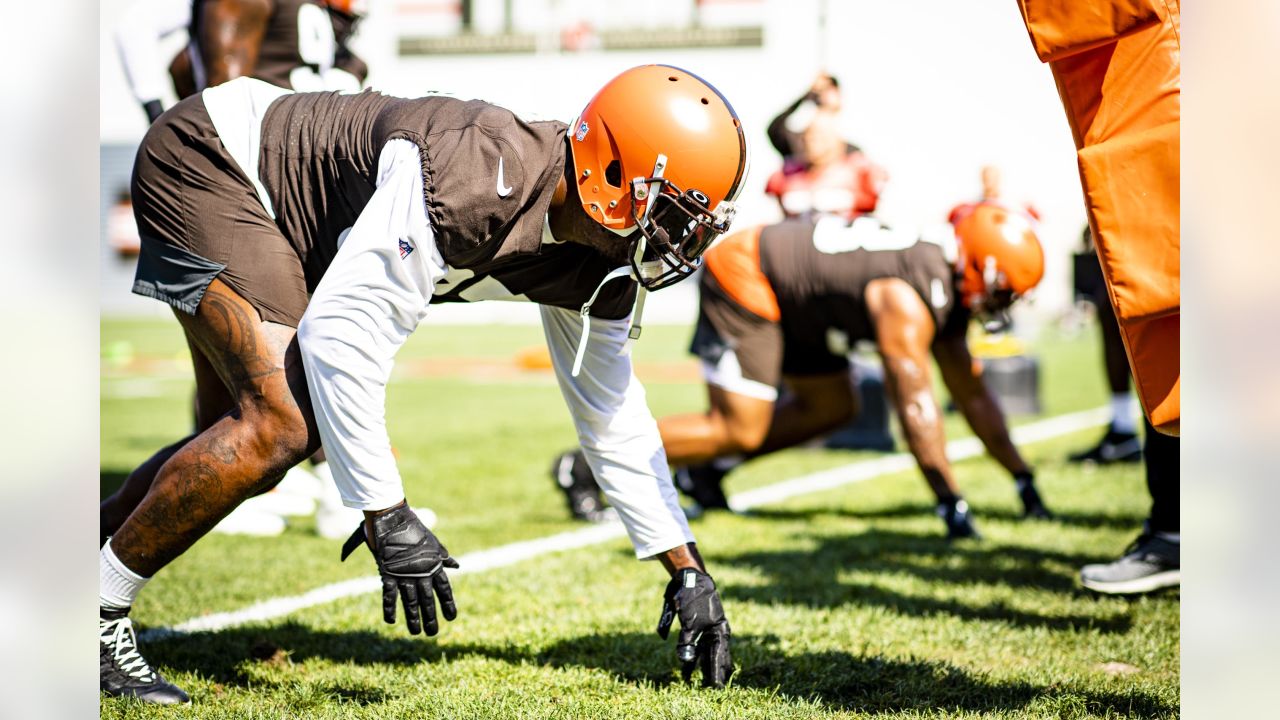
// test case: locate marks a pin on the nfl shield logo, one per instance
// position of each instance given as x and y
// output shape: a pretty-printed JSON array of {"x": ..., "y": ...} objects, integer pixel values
[
  {"x": 405, "y": 249},
  {"x": 582, "y": 131}
]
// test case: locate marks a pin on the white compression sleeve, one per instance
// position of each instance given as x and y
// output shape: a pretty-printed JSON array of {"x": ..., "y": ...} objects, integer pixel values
[
  {"x": 372, "y": 297},
  {"x": 616, "y": 430}
]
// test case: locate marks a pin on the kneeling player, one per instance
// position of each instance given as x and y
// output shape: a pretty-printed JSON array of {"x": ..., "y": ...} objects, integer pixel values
[{"x": 787, "y": 302}]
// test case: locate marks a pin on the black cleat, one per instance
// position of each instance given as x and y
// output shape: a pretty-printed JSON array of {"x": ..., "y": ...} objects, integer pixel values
[
  {"x": 702, "y": 483},
  {"x": 1114, "y": 447},
  {"x": 955, "y": 513},
  {"x": 1032, "y": 505},
  {"x": 124, "y": 672},
  {"x": 1150, "y": 563},
  {"x": 573, "y": 476}
]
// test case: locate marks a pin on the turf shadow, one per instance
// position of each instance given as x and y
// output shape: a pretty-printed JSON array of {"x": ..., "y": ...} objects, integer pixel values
[
  {"x": 228, "y": 657},
  {"x": 812, "y": 577},
  {"x": 920, "y": 510},
  {"x": 836, "y": 679},
  {"x": 876, "y": 684}
]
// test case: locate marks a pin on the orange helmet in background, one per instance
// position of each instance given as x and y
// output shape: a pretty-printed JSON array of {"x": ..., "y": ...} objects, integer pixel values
[
  {"x": 661, "y": 153},
  {"x": 1000, "y": 256}
]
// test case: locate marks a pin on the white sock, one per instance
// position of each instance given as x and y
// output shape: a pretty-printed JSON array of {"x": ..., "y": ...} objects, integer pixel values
[
  {"x": 118, "y": 585},
  {"x": 1124, "y": 413}
]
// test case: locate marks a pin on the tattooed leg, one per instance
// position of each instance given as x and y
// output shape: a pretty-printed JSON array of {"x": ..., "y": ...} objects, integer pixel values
[
  {"x": 269, "y": 429},
  {"x": 116, "y": 507},
  {"x": 211, "y": 401}
]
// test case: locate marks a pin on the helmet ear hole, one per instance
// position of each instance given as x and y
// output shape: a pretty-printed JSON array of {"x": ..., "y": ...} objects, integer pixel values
[{"x": 613, "y": 174}]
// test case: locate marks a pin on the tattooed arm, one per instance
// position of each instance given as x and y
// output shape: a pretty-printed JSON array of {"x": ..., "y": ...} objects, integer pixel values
[
  {"x": 904, "y": 331},
  {"x": 963, "y": 378}
]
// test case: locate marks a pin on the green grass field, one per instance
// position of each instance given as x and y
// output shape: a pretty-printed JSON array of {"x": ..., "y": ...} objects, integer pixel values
[{"x": 845, "y": 603}]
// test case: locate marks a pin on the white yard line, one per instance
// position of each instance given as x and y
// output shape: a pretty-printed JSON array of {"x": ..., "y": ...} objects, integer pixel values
[{"x": 510, "y": 554}]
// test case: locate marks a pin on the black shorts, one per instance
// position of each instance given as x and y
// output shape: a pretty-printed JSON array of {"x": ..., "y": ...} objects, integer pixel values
[
  {"x": 199, "y": 217},
  {"x": 735, "y": 344}
]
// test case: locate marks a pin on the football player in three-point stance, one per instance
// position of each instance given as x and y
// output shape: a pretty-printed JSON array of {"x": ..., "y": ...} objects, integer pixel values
[
  {"x": 376, "y": 207},
  {"x": 787, "y": 302}
]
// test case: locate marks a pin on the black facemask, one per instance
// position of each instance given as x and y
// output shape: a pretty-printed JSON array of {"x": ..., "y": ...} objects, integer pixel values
[{"x": 677, "y": 229}]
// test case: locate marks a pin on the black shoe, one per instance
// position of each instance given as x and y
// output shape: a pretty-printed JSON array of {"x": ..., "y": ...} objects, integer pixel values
[
  {"x": 955, "y": 513},
  {"x": 1149, "y": 564},
  {"x": 702, "y": 483},
  {"x": 1114, "y": 447},
  {"x": 124, "y": 672},
  {"x": 573, "y": 476},
  {"x": 1032, "y": 505}
]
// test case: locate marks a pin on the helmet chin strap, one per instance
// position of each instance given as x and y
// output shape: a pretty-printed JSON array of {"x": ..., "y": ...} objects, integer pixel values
[
  {"x": 633, "y": 330},
  {"x": 640, "y": 191}
]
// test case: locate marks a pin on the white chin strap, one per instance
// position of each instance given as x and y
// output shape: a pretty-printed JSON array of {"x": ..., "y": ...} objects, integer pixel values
[
  {"x": 640, "y": 191},
  {"x": 633, "y": 331}
]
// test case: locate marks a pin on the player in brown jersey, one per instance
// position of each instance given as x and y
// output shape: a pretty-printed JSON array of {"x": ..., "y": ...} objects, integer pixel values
[
  {"x": 301, "y": 45},
  {"x": 249, "y": 198},
  {"x": 787, "y": 303},
  {"x": 295, "y": 44}
]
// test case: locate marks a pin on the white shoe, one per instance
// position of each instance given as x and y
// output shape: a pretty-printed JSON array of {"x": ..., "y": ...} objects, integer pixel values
[
  {"x": 427, "y": 516},
  {"x": 301, "y": 482},
  {"x": 249, "y": 520},
  {"x": 282, "y": 504},
  {"x": 337, "y": 522}
]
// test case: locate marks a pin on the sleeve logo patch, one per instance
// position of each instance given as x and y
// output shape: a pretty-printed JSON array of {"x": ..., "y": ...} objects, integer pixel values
[
  {"x": 582, "y": 131},
  {"x": 405, "y": 249}
]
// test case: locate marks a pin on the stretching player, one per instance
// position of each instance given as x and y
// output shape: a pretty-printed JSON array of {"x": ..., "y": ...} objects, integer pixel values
[
  {"x": 374, "y": 207},
  {"x": 787, "y": 302}
]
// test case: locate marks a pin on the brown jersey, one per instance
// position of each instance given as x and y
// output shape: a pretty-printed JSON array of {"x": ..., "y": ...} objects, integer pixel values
[
  {"x": 819, "y": 272},
  {"x": 301, "y": 44},
  {"x": 488, "y": 179}
]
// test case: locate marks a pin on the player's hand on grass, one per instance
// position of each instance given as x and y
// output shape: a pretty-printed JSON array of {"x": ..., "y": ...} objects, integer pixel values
[
  {"x": 411, "y": 561},
  {"x": 704, "y": 632}
]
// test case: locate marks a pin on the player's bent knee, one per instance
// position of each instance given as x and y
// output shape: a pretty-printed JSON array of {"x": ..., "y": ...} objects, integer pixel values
[
  {"x": 742, "y": 438},
  {"x": 284, "y": 434}
]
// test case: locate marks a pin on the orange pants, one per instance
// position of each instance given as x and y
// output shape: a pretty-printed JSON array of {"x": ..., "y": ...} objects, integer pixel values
[{"x": 1118, "y": 70}]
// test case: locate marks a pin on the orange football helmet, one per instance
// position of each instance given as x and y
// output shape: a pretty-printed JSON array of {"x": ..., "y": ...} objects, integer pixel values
[
  {"x": 1000, "y": 256},
  {"x": 661, "y": 153}
]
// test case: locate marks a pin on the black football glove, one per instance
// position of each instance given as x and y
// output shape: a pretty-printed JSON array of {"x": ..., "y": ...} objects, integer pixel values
[
  {"x": 411, "y": 561},
  {"x": 704, "y": 631}
]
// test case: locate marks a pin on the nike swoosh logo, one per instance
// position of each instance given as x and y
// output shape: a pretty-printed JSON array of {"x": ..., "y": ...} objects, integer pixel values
[{"x": 502, "y": 191}]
